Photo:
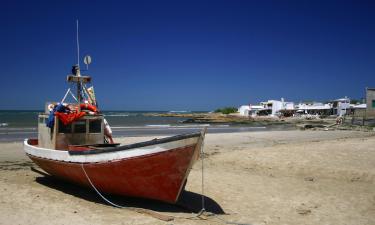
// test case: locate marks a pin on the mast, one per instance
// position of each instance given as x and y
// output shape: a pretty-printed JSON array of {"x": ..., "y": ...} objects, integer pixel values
[
  {"x": 76, "y": 77},
  {"x": 77, "y": 46},
  {"x": 78, "y": 72}
]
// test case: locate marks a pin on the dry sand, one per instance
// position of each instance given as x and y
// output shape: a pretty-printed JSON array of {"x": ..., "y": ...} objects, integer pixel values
[{"x": 277, "y": 177}]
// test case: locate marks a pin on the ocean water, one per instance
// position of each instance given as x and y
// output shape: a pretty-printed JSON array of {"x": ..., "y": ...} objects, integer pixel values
[
  {"x": 16, "y": 125},
  {"x": 28, "y": 118}
]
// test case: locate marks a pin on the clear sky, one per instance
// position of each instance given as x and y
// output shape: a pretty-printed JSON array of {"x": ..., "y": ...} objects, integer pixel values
[{"x": 187, "y": 55}]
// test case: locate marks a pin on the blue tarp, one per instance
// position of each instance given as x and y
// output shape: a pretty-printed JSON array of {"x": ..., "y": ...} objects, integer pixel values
[{"x": 51, "y": 118}]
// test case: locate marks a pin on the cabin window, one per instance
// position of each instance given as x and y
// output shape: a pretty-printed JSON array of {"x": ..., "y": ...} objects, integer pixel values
[
  {"x": 41, "y": 120},
  {"x": 66, "y": 129},
  {"x": 95, "y": 126},
  {"x": 80, "y": 126},
  {"x": 373, "y": 103}
]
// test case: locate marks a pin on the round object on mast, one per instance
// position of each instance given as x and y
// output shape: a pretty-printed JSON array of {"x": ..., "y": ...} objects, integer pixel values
[{"x": 87, "y": 61}]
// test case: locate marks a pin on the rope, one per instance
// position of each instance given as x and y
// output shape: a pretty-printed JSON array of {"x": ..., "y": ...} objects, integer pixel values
[
  {"x": 66, "y": 94},
  {"x": 202, "y": 156},
  {"x": 203, "y": 210},
  {"x": 138, "y": 210},
  {"x": 104, "y": 198},
  {"x": 72, "y": 95}
]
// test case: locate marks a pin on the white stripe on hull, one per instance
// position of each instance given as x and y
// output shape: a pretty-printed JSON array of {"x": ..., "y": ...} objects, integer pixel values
[{"x": 61, "y": 155}]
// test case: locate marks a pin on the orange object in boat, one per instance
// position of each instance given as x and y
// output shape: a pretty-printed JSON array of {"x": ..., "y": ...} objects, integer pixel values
[{"x": 88, "y": 107}]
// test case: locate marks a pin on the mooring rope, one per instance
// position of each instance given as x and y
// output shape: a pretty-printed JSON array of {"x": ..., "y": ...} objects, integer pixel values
[
  {"x": 202, "y": 169},
  {"x": 97, "y": 191},
  {"x": 138, "y": 210}
]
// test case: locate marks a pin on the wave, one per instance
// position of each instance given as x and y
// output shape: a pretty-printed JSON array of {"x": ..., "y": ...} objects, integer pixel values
[
  {"x": 179, "y": 111},
  {"x": 150, "y": 126},
  {"x": 118, "y": 115},
  {"x": 4, "y": 124},
  {"x": 157, "y": 125},
  {"x": 177, "y": 126}
]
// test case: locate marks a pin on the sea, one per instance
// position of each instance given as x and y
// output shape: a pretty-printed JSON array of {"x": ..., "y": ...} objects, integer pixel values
[{"x": 17, "y": 125}]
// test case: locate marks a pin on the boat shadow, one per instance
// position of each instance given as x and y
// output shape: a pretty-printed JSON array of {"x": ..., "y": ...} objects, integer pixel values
[{"x": 189, "y": 202}]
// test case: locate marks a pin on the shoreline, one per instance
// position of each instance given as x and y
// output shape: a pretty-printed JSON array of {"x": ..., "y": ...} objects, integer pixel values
[
  {"x": 123, "y": 132},
  {"x": 17, "y": 135}
]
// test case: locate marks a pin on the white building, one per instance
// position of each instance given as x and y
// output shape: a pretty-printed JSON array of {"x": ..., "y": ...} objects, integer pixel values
[
  {"x": 275, "y": 106},
  {"x": 249, "y": 110},
  {"x": 341, "y": 105},
  {"x": 244, "y": 110},
  {"x": 313, "y": 106},
  {"x": 358, "y": 106}
]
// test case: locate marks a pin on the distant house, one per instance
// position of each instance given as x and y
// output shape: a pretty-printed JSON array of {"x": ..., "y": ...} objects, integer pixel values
[
  {"x": 358, "y": 106},
  {"x": 340, "y": 106},
  {"x": 274, "y": 106},
  {"x": 315, "y": 108},
  {"x": 244, "y": 110},
  {"x": 256, "y": 110},
  {"x": 250, "y": 110},
  {"x": 370, "y": 101}
]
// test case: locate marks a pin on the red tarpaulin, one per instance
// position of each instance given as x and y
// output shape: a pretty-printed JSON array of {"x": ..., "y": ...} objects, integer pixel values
[{"x": 70, "y": 117}]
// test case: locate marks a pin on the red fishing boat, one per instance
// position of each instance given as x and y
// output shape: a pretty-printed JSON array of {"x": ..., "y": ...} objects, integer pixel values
[{"x": 75, "y": 144}]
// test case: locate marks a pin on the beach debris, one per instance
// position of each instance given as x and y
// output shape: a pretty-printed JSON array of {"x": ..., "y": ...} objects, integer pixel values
[
  {"x": 306, "y": 208},
  {"x": 354, "y": 179},
  {"x": 303, "y": 209},
  {"x": 312, "y": 179},
  {"x": 153, "y": 214}
]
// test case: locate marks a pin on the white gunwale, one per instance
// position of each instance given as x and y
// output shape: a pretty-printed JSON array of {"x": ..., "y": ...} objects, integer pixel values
[{"x": 61, "y": 155}]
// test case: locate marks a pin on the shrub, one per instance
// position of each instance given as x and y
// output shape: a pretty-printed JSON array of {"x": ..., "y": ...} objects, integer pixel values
[{"x": 226, "y": 110}]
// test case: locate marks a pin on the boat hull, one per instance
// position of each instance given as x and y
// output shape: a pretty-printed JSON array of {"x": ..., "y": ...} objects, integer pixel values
[{"x": 159, "y": 175}]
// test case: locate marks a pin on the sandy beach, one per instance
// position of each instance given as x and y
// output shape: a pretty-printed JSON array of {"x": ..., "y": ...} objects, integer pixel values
[{"x": 272, "y": 177}]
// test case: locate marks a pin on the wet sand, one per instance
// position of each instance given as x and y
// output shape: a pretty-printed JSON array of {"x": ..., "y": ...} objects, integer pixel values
[{"x": 271, "y": 177}]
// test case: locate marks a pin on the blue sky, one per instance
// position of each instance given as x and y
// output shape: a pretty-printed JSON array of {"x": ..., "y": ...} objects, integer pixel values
[{"x": 187, "y": 55}]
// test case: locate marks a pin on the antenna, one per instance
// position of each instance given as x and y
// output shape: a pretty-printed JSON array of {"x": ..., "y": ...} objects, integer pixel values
[{"x": 77, "y": 46}]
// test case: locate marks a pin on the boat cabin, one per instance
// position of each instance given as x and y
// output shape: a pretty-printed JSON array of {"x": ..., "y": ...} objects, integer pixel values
[{"x": 87, "y": 130}]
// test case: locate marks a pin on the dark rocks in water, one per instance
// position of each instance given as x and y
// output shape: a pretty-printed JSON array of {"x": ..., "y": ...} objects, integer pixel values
[
  {"x": 188, "y": 121},
  {"x": 311, "y": 126}
]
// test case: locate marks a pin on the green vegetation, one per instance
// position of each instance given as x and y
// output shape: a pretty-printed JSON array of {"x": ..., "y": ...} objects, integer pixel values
[{"x": 226, "y": 110}]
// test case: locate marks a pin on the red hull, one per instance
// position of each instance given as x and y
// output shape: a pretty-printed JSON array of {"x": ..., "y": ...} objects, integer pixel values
[{"x": 158, "y": 176}]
